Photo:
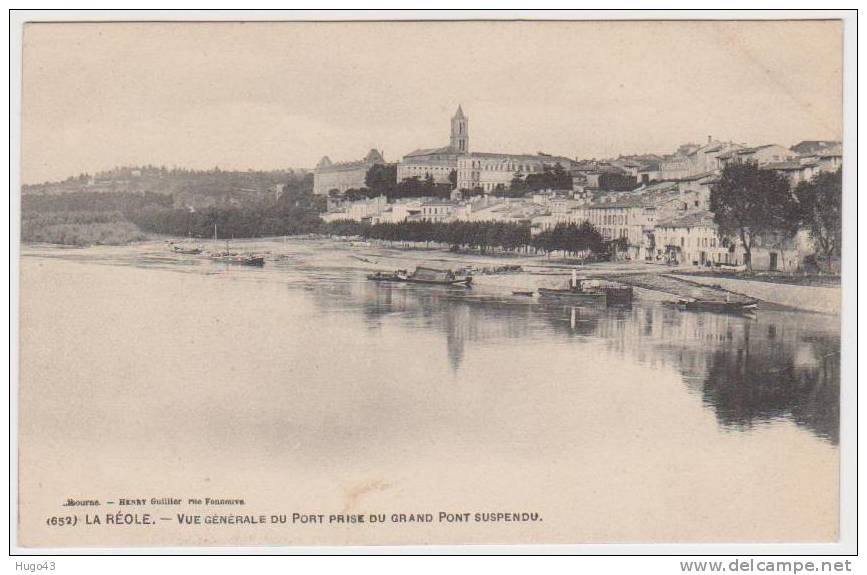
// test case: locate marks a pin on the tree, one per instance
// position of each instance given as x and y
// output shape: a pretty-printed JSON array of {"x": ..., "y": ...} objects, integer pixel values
[
  {"x": 354, "y": 194},
  {"x": 820, "y": 202},
  {"x": 570, "y": 239},
  {"x": 749, "y": 202},
  {"x": 381, "y": 178},
  {"x": 550, "y": 178},
  {"x": 518, "y": 185},
  {"x": 453, "y": 178},
  {"x": 589, "y": 238}
]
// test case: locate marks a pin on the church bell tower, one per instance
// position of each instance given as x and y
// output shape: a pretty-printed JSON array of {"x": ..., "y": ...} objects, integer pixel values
[{"x": 460, "y": 140}]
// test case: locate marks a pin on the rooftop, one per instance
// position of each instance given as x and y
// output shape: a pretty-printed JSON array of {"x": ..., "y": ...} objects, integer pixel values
[
  {"x": 690, "y": 220},
  {"x": 831, "y": 151},
  {"x": 431, "y": 151},
  {"x": 633, "y": 201},
  {"x": 806, "y": 147},
  {"x": 437, "y": 202},
  {"x": 523, "y": 157},
  {"x": 373, "y": 156},
  {"x": 785, "y": 166}
]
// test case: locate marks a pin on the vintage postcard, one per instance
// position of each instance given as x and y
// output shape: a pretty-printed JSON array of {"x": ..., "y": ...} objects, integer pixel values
[{"x": 430, "y": 283}]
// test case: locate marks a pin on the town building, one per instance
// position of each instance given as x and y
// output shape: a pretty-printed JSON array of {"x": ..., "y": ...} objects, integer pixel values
[
  {"x": 828, "y": 159},
  {"x": 491, "y": 171},
  {"x": 361, "y": 210},
  {"x": 794, "y": 170},
  {"x": 338, "y": 177},
  {"x": 811, "y": 147},
  {"x": 691, "y": 238},
  {"x": 604, "y": 176},
  {"x": 438, "y": 210},
  {"x": 438, "y": 163},
  {"x": 814, "y": 161},
  {"x": 650, "y": 172},
  {"x": 776, "y": 252},
  {"x": 466, "y": 170},
  {"x": 629, "y": 220},
  {"x": 690, "y": 160},
  {"x": 761, "y": 155},
  {"x": 655, "y": 208}
]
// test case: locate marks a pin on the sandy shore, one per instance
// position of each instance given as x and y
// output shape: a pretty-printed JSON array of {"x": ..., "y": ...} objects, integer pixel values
[
  {"x": 536, "y": 271},
  {"x": 809, "y": 298},
  {"x": 542, "y": 271}
]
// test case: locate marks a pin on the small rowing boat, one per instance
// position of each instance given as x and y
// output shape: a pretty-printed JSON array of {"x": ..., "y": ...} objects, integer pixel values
[
  {"x": 570, "y": 293},
  {"x": 186, "y": 251},
  {"x": 716, "y": 306}
]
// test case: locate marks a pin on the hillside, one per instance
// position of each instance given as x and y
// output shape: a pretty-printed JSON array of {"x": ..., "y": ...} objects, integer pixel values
[
  {"x": 188, "y": 188},
  {"x": 124, "y": 204}
]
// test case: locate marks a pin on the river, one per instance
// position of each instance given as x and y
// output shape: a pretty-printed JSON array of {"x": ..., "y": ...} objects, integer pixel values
[{"x": 302, "y": 387}]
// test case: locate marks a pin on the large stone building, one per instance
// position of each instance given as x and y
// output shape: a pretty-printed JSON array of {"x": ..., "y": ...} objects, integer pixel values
[
  {"x": 438, "y": 163},
  {"x": 473, "y": 170},
  {"x": 343, "y": 176},
  {"x": 487, "y": 171}
]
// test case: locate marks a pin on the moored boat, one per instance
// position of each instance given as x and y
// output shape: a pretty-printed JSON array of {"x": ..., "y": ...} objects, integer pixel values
[
  {"x": 571, "y": 293},
  {"x": 424, "y": 275},
  {"x": 240, "y": 259},
  {"x": 716, "y": 306},
  {"x": 591, "y": 290},
  {"x": 187, "y": 251},
  {"x": 618, "y": 295},
  {"x": 399, "y": 275},
  {"x": 228, "y": 257}
]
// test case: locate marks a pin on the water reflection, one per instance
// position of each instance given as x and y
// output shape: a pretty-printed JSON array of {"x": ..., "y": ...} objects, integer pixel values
[
  {"x": 759, "y": 382},
  {"x": 749, "y": 371}
]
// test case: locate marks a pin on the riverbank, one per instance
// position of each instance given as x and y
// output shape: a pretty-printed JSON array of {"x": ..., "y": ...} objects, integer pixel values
[
  {"x": 500, "y": 275},
  {"x": 809, "y": 298},
  {"x": 539, "y": 271},
  {"x": 113, "y": 233}
]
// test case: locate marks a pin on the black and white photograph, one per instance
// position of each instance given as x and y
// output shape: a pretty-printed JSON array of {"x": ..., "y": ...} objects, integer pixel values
[{"x": 431, "y": 282}]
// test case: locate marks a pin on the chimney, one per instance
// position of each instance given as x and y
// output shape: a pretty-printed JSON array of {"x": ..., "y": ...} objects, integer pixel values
[{"x": 709, "y": 139}]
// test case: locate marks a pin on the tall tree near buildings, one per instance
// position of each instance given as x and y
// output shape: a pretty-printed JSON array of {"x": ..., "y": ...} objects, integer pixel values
[
  {"x": 381, "y": 178},
  {"x": 820, "y": 201},
  {"x": 749, "y": 202},
  {"x": 518, "y": 185}
]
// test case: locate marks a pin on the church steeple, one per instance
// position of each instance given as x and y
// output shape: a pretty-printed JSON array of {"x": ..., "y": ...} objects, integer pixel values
[{"x": 460, "y": 139}]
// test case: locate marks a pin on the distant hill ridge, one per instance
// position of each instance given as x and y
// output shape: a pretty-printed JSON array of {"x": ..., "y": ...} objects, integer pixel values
[{"x": 189, "y": 188}]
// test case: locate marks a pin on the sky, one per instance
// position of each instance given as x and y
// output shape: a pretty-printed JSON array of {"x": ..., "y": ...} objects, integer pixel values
[{"x": 282, "y": 95}]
